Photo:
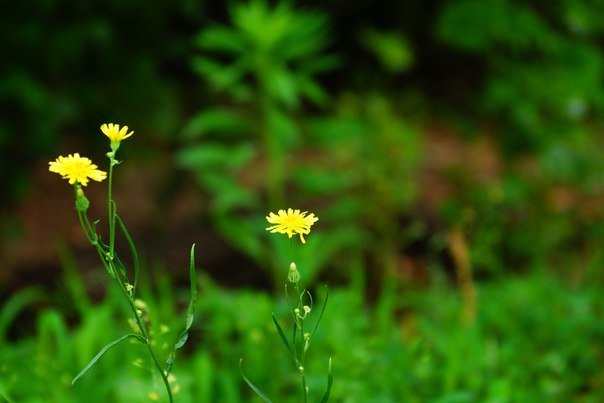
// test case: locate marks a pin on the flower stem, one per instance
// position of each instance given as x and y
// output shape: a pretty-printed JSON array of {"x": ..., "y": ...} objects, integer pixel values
[
  {"x": 300, "y": 323},
  {"x": 107, "y": 258},
  {"x": 110, "y": 208},
  {"x": 144, "y": 332}
]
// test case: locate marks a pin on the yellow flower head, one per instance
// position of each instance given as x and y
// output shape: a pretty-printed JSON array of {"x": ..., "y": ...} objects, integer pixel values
[
  {"x": 291, "y": 222},
  {"x": 114, "y": 132},
  {"x": 76, "y": 169}
]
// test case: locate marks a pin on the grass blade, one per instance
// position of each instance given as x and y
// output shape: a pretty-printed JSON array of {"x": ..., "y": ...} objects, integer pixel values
[
  {"x": 4, "y": 395},
  {"x": 282, "y": 335},
  {"x": 325, "y": 398},
  {"x": 16, "y": 304},
  {"x": 135, "y": 260},
  {"x": 322, "y": 312},
  {"x": 103, "y": 351},
  {"x": 251, "y": 385},
  {"x": 182, "y": 339}
]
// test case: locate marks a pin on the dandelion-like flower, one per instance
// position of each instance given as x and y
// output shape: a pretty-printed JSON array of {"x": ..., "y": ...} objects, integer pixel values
[
  {"x": 114, "y": 132},
  {"x": 291, "y": 222},
  {"x": 76, "y": 169}
]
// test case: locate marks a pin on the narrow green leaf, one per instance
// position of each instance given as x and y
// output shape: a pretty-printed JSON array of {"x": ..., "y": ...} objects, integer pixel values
[
  {"x": 322, "y": 312},
  {"x": 103, "y": 351},
  {"x": 135, "y": 260},
  {"x": 15, "y": 305},
  {"x": 193, "y": 281},
  {"x": 251, "y": 385},
  {"x": 117, "y": 262},
  {"x": 182, "y": 339},
  {"x": 325, "y": 398},
  {"x": 4, "y": 395},
  {"x": 282, "y": 335}
]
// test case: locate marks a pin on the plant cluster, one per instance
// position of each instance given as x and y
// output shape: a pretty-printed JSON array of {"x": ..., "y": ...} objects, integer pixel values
[{"x": 78, "y": 171}]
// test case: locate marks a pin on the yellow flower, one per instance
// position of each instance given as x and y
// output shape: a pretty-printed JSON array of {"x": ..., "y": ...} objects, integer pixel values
[
  {"x": 291, "y": 222},
  {"x": 76, "y": 169},
  {"x": 114, "y": 132}
]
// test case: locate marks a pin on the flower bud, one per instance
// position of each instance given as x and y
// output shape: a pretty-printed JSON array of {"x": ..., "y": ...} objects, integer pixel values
[
  {"x": 293, "y": 276},
  {"x": 81, "y": 202}
]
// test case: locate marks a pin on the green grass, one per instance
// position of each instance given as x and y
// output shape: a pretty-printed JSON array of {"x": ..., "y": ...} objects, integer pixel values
[{"x": 535, "y": 339}]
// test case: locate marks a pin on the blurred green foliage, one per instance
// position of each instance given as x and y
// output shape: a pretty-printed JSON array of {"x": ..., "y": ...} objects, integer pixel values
[
  {"x": 542, "y": 65},
  {"x": 529, "y": 343},
  {"x": 264, "y": 66}
]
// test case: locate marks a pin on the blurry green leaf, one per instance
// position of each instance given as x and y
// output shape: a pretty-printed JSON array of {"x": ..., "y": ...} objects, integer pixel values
[
  {"x": 220, "y": 75},
  {"x": 15, "y": 304},
  {"x": 4, "y": 395},
  {"x": 73, "y": 280},
  {"x": 215, "y": 121},
  {"x": 282, "y": 335},
  {"x": 243, "y": 234},
  {"x": 232, "y": 198},
  {"x": 391, "y": 49},
  {"x": 312, "y": 91},
  {"x": 344, "y": 210},
  {"x": 282, "y": 86},
  {"x": 53, "y": 335},
  {"x": 284, "y": 127},
  {"x": 306, "y": 35},
  {"x": 323, "y": 246},
  {"x": 251, "y": 385},
  {"x": 220, "y": 39},
  {"x": 204, "y": 370},
  {"x": 325, "y": 397},
  {"x": 478, "y": 26},
  {"x": 320, "y": 181},
  {"x": 103, "y": 351},
  {"x": 214, "y": 155},
  {"x": 332, "y": 131}
]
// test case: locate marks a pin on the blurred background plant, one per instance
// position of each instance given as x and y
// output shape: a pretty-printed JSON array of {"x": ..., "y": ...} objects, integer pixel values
[
  {"x": 416, "y": 131},
  {"x": 263, "y": 69}
]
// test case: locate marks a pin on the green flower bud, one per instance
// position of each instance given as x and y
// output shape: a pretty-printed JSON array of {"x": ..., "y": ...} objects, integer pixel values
[
  {"x": 293, "y": 276},
  {"x": 81, "y": 202}
]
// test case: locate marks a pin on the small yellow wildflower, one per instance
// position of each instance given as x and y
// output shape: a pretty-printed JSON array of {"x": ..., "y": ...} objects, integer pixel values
[
  {"x": 76, "y": 169},
  {"x": 114, "y": 132},
  {"x": 291, "y": 222}
]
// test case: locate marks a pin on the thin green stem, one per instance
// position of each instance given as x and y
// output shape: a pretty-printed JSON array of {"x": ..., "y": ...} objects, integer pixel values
[
  {"x": 108, "y": 262},
  {"x": 300, "y": 324},
  {"x": 145, "y": 334},
  {"x": 110, "y": 208},
  {"x": 88, "y": 236}
]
